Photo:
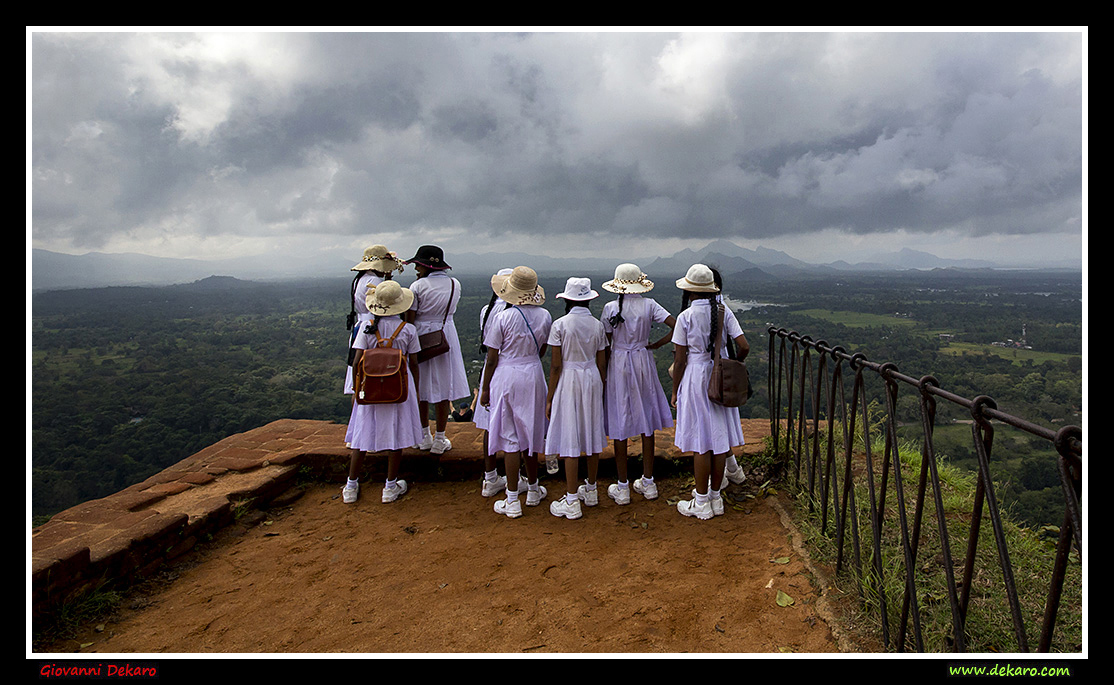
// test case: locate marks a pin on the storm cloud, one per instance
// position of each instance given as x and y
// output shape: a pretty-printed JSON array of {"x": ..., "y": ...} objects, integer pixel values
[{"x": 221, "y": 143}]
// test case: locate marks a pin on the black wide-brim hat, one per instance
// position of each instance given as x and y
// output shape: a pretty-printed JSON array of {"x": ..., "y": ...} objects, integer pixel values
[{"x": 429, "y": 256}]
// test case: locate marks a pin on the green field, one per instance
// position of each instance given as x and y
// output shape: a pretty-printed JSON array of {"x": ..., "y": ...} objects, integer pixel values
[
  {"x": 856, "y": 319},
  {"x": 1015, "y": 355}
]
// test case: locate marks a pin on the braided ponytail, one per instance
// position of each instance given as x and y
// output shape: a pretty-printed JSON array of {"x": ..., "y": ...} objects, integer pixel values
[{"x": 483, "y": 324}]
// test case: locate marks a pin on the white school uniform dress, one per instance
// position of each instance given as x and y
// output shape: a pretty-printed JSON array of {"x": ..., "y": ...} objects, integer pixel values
[
  {"x": 443, "y": 377},
  {"x": 359, "y": 300},
  {"x": 702, "y": 425},
  {"x": 635, "y": 403},
  {"x": 378, "y": 427},
  {"x": 576, "y": 416},
  {"x": 517, "y": 391},
  {"x": 480, "y": 415}
]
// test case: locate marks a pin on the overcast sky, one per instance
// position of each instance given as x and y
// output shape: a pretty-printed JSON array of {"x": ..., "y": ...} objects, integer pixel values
[{"x": 827, "y": 145}]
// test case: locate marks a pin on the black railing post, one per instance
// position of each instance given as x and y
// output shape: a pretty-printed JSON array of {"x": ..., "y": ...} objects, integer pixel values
[{"x": 793, "y": 368}]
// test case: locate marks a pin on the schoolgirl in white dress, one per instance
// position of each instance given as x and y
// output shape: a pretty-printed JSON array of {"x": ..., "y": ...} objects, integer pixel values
[
  {"x": 513, "y": 384},
  {"x": 493, "y": 483},
  {"x": 444, "y": 379},
  {"x": 377, "y": 265},
  {"x": 384, "y": 427},
  {"x": 574, "y": 406},
  {"x": 635, "y": 403},
  {"x": 708, "y": 429}
]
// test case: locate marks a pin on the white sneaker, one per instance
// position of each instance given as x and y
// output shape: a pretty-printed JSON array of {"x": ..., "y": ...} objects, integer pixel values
[
  {"x": 737, "y": 476},
  {"x": 647, "y": 489},
  {"x": 689, "y": 507},
  {"x": 535, "y": 497},
  {"x": 509, "y": 508},
  {"x": 715, "y": 502},
  {"x": 427, "y": 441},
  {"x": 350, "y": 493},
  {"x": 494, "y": 487},
  {"x": 440, "y": 445},
  {"x": 562, "y": 507},
  {"x": 590, "y": 497},
  {"x": 390, "y": 494},
  {"x": 618, "y": 493}
]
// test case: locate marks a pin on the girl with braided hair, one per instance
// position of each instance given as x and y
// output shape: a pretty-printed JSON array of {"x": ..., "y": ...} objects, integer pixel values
[
  {"x": 703, "y": 427},
  {"x": 635, "y": 403}
]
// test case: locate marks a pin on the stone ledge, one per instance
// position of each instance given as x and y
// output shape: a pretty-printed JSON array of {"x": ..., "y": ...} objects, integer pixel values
[{"x": 106, "y": 541}]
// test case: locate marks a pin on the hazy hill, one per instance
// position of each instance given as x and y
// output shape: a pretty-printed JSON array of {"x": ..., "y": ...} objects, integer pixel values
[{"x": 54, "y": 271}]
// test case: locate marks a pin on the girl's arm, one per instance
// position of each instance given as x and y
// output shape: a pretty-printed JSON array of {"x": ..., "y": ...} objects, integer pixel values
[
  {"x": 412, "y": 362},
  {"x": 554, "y": 376},
  {"x": 601, "y": 363},
  {"x": 680, "y": 360},
  {"x": 742, "y": 346},
  {"x": 671, "y": 322},
  {"x": 489, "y": 369}
]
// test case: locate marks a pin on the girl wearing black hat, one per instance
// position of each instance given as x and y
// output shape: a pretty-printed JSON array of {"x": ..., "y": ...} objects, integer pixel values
[{"x": 443, "y": 378}]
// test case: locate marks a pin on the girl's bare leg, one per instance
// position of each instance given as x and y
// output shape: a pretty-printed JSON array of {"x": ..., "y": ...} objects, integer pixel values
[
  {"x": 355, "y": 464},
  {"x": 621, "y": 459},
  {"x": 648, "y": 445},
  {"x": 701, "y": 470}
]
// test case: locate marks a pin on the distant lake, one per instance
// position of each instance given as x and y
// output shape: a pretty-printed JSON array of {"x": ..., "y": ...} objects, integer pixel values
[{"x": 741, "y": 306}]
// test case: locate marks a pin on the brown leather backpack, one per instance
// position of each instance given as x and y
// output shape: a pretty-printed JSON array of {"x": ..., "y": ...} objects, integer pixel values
[
  {"x": 382, "y": 375},
  {"x": 729, "y": 384}
]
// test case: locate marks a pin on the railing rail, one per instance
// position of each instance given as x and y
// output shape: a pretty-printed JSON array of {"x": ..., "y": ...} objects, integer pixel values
[{"x": 800, "y": 367}]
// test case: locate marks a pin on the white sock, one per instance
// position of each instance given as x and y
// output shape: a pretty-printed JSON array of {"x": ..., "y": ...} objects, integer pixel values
[
  {"x": 647, "y": 479},
  {"x": 732, "y": 464},
  {"x": 589, "y": 486},
  {"x": 353, "y": 483},
  {"x": 623, "y": 484},
  {"x": 571, "y": 497},
  {"x": 713, "y": 494},
  {"x": 439, "y": 434},
  {"x": 701, "y": 499},
  {"x": 392, "y": 483},
  {"x": 491, "y": 476}
]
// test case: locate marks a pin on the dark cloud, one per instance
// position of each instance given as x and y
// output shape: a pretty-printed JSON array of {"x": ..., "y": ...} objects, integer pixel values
[{"x": 641, "y": 135}]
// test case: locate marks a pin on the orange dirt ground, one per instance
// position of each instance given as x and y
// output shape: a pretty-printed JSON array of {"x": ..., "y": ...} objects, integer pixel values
[{"x": 439, "y": 572}]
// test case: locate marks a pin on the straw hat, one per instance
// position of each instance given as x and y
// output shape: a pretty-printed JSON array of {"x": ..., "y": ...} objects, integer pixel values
[
  {"x": 699, "y": 279},
  {"x": 520, "y": 286},
  {"x": 429, "y": 256},
  {"x": 578, "y": 290},
  {"x": 378, "y": 258},
  {"x": 388, "y": 298},
  {"x": 628, "y": 279}
]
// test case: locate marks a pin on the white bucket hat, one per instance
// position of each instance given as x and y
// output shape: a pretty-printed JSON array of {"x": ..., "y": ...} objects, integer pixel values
[
  {"x": 578, "y": 290},
  {"x": 628, "y": 279},
  {"x": 388, "y": 298},
  {"x": 699, "y": 279},
  {"x": 379, "y": 258},
  {"x": 520, "y": 286}
]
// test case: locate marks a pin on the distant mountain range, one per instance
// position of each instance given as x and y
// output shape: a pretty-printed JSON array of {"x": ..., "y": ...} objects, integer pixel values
[{"x": 56, "y": 271}]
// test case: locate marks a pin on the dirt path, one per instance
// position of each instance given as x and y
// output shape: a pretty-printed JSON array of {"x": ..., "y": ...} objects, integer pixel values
[{"x": 439, "y": 572}]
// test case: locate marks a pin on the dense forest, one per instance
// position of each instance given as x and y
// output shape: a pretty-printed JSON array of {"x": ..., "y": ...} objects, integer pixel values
[{"x": 127, "y": 381}]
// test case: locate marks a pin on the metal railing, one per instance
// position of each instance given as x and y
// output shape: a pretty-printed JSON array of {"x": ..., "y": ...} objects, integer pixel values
[{"x": 828, "y": 470}]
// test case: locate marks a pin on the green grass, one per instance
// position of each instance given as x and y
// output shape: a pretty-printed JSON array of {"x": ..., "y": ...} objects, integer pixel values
[
  {"x": 856, "y": 319},
  {"x": 64, "y": 623},
  {"x": 989, "y": 626},
  {"x": 1015, "y": 355}
]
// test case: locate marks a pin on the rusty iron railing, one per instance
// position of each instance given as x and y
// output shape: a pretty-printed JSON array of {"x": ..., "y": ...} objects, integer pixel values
[{"x": 813, "y": 465}]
